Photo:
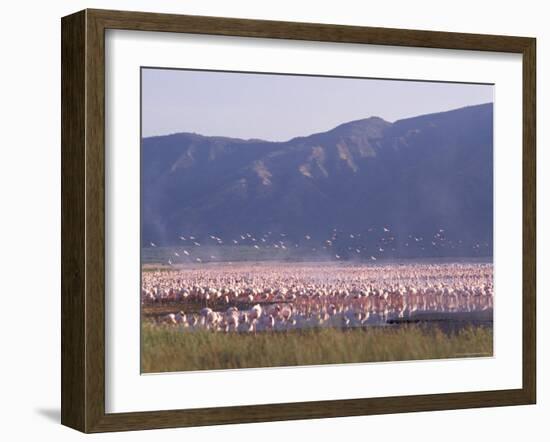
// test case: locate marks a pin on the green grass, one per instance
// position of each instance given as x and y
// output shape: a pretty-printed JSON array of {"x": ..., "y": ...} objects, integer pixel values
[{"x": 167, "y": 349}]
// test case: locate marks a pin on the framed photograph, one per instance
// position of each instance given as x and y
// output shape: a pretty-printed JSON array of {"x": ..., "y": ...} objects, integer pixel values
[{"x": 269, "y": 220}]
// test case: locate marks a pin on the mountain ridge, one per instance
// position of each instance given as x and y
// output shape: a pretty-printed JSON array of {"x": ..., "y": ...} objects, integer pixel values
[
  {"x": 346, "y": 123},
  {"x": 414, "y": 174}
]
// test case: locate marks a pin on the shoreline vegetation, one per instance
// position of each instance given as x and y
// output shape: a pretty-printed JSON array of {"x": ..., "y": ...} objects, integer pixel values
[{"x": 167, "y": 349}]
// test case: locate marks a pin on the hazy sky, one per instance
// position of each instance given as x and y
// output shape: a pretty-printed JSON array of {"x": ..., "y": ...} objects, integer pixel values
[{"x": 280, "y": 107}]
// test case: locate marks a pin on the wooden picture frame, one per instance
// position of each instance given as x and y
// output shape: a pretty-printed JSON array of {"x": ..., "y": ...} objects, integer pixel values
[{"x": 83, "y": 220}]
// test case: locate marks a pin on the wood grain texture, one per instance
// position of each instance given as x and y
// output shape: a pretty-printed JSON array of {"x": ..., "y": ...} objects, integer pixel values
[
  {"x": 144, "y": 21},
  {"x": 529, "y": 221},
  {"x": 83, "y": 220},
  {"x": 95, "y": 221},
  {"x": 73, "y": 257}
]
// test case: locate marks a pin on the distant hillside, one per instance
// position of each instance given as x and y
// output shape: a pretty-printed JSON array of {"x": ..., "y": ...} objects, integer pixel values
[{"x": 418, "y": 177}]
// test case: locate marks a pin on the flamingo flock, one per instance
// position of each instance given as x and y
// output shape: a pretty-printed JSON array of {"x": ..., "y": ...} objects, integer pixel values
[{"x": 262, "y": 297}]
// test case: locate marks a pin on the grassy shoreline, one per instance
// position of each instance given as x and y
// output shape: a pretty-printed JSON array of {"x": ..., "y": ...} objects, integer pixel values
[{"x": 167, "y": 349}]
